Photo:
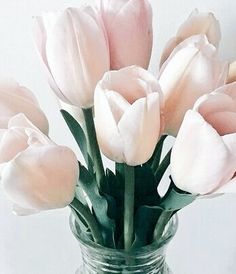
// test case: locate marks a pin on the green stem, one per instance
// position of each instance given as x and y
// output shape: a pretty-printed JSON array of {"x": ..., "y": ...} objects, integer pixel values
[
  {"x": 162, "y": 167},
  {"x": 161, "y": 224},
  {"x": 129, "y": 206},
  {"x": 155, "y": 160},
  {"x": 85, "y": 213},
  {"x": 93, "y": 148}
]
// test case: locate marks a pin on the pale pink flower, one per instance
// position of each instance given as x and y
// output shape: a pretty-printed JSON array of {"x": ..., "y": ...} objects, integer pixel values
[
  {"x": 16, "y": 99},
  {"x": 197, "y": 23},
  {"x": 128, "y": 110},
  {"x": 203, "y": 159},
  {"x": 36, "y": 174},
  {"x": 74, "y": 49},
  {"x": 193, "y": 69},
  {"x": 129, "y": 29}
]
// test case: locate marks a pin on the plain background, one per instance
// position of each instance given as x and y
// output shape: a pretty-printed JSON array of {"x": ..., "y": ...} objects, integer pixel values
[{"x": 43, "y": 244}]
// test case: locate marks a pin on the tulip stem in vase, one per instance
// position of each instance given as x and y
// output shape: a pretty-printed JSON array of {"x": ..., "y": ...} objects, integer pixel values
[
  {"x": 161, "y": 224},
  {"x": 86, "y": 215},
  {"x": 129, "y": 206},
  {"x": 93, "y": 148}
]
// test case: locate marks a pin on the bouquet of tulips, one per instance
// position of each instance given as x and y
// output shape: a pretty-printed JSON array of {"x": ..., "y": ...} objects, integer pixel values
[{"x": 96, "y": 59}]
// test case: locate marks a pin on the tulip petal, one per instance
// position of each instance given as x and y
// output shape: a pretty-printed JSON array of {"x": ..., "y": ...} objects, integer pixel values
[
  {"x": 36, "y": 138},
  {"x": 230, "y": 187},
  {"x": 77, "y": 55},
  {"x": 20, "y": 100},
  {"x": 41, "y": 178},
  {"x": 197, "y": 23},
  {"x": 214, "y": 102},
  {"x": 20, "y": 211},
  {"x": 201, "y": 23},
  {"x": 193, "y": 69},
  {"x": 223, "y": 122},
  {"x": 40, "y": 38},
  {"x": 229, "y": 89},
  {"x": 109, "y": 138},
  {"x": 33, "y": 134},
  {"x": 218, "y": 109},
  {"x": 117, "y": 103},
  {"x": 12, "y": 142},
  {"x": 136, "y": 82},
  {"x": 20, "y": 120},
  {"x": 170, "y": 46},
  {"x": 10, "y": 86},
  {"x": 140, "y": 138},
  {"x": 201, "y": 152},
  {"x": 123, "y": 18}
]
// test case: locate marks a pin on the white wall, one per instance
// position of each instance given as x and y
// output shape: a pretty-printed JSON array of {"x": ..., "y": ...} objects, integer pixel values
[{"x": 42, "y": 244}]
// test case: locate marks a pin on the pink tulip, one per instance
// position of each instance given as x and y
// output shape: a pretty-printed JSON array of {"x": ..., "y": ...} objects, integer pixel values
[
  {"x": 129, "y": 28},
  {"x": 193, "y": 69},
  {"x": 197, "y": 23},
  {"x": 16, "y": 99},
  {"x": 203, "y": 159},
  {"x": 74, "y": 50},
  {"x": 36, "y": 174},
  {"x": 128, "y": 108}
]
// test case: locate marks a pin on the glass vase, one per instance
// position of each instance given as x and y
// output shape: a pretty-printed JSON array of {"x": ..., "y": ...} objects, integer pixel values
[{"x": 150, "y": 259}]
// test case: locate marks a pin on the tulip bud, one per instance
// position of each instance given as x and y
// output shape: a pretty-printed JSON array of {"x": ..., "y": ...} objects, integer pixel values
[
  {"x": 16, "y": 99},
  {"x": 193, "y": 69},
  {"x": 37, "y": 174},
  {"x": 203, "y": 158},
  {"x": 129, "y": 28},
  {"x": 74, "y": 49},
  {"x": 197, "y": 23},
  {"x": 128, "y": 120}
]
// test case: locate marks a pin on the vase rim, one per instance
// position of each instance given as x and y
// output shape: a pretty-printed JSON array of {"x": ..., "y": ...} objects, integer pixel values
[{"x": 168, "y": 234}]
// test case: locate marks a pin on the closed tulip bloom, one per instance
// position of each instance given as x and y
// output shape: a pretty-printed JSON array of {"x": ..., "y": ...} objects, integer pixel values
[
  {"x": 129, "y": 28},
  {"x": 203, "y": 159},
  {"x": 193, "y": 69},
  {"x": 128, "y": 106},
  {"x": 197, "y": 23},
  {"x": 74, "y": 49},
  {"x": 16, "y": 99},
  {"x": 37, "y": 174}
]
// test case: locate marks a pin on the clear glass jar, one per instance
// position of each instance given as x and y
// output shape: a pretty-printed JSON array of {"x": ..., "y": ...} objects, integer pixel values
[{"x": 145, "y": 260}]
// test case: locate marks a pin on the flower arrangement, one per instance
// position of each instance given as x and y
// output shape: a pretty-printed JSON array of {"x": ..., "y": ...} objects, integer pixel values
[{"x": 96, "y": 59}]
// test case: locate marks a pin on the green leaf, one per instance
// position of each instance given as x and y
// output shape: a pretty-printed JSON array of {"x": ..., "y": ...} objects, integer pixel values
[
  {"x": 154, "y": 161},
  {"x": 117, "y": 192},
  {"x": 79, "y": 136},
  {"x": 145, "y": 221},
  {"x": 120, "y": 171},
  {"x": 145, "y": 187},
  {"x": 99, "y": 204},
  {"x": 79, "y": 194},
  {"x": 145, "y": 192},
  {"x": 117, "y": 185},
  {"x": 160, "y": 171},
  {"x": 81, "y": 227},
  {"x": 176, "y": 199}
]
